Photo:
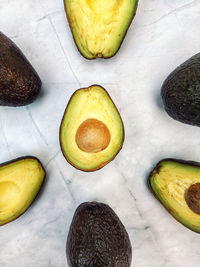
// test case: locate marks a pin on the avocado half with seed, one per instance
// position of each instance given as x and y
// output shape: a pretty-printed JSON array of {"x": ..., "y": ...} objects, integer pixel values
[
  {"x": 99, "y": 26},
  {"x": 20, "y": 182},
  {"x": 91, "y": 131},
  {"x": 19, "y": 82},
  {"x": 176, "y": 184},
  {"x": 97, "y": 238}
]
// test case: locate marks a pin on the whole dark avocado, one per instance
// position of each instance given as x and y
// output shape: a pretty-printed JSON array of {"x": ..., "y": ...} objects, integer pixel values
[
  {"x": 97, "y": 238},
  {"x": 181, "y": 92},
  {"x": 19, "y": 82}
]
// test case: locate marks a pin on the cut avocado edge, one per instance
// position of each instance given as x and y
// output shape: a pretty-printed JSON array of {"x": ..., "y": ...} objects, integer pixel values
[
  {"x": 24, "y": 209},
  {"x": 152, "y": 187},
  {"x": 102, "y": 164},
  {"x": 90, "y": 56}
]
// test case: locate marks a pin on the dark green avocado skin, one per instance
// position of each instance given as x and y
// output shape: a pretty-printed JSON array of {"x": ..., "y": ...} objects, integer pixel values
[
  {"x": 97, "y": 238},
  {"x": 181, "y": 92},
  {"x": 19, "y": 82}
]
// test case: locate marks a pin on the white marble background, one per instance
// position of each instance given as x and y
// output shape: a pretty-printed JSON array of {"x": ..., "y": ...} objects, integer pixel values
[{"x": 163, "y": 34}]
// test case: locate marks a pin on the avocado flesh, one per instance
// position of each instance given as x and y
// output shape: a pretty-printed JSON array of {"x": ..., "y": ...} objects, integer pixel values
[
  {"x": 19, "y": 82},
  {"x": 169, "y": 182},
  {"x": 99, "y": 26},
  {"x": 97, "y": 238},
  {"x": 90, "y": 103},
  {"x": 181, "y": 92},
  {"x": 20, "y": 181}
]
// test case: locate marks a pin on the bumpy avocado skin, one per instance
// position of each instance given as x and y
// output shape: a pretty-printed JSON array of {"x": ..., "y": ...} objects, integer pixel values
[
  {"x": 97, "y": 238},
  {"x": 181, "y": 92},
  {"x": 153, "y": 188},
  {"x": 19, "y": 82},
  {"x": 29, "y": 201}
]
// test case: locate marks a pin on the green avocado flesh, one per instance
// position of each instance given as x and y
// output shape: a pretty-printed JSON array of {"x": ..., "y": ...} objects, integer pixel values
[
  {"x": 169, "y": 182},
  {"x": 99, "y": 26},
  {"x": 97, "y": 146},
  {"x": 20, "y": 181},
  {"x": 97, "y": 238}
]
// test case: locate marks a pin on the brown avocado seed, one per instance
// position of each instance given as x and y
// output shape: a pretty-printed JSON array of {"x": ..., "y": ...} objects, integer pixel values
[
  {"x": 192, "y": 197},
  {"x": 92, "y": 136}
]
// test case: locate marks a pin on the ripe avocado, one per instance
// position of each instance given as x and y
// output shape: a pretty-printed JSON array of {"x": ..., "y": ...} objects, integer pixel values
[
  {"x": 176, "y": 184},
  {"x": 97, "y": 238},
  {"x": 99, "y": 26},
  {"x": 181, "y": 92},
  {"x": 20, "y": 181},
  {"x": 91, "y": 131},
  {"x": 19, "y": 83}
]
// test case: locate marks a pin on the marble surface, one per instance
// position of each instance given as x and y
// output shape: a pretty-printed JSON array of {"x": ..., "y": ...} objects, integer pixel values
[{"x": 162, "y": 35}]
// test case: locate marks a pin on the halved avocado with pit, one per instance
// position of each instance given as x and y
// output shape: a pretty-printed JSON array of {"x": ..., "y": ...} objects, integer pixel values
[
  {"x": 91, "y": 131},
  {"x": 176, "y": 184},
  {"x": 20, "y": 182},
  {"x": 99, "y": 26}
]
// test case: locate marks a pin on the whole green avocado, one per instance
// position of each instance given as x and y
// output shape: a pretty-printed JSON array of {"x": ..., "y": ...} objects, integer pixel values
[
  {"x": 97, "y": 238},
  {"x": 19, "y": 82},
  {"x": 181, "y": 92}
]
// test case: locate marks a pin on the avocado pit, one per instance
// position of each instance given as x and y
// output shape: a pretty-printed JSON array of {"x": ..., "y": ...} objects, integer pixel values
[
  {"x": 192, "y": 197},
  {"x": 92, "y": 136}
]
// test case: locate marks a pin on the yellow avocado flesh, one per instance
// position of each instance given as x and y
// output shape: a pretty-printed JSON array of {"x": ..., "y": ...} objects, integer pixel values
[
  {"x": 98, "y": 26},
  {"x": 20, "y": 182},
  {"x": 170, "y": 180},
  {"x": 90, "y": 103}
]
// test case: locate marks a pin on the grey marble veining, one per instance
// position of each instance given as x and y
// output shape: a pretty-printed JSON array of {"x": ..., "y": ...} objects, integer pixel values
[{"x": 162, "y": 35}]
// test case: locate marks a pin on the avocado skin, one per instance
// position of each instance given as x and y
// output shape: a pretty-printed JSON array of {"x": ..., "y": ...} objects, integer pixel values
[
  {"x": 19, "y": 82},
  {"x": 18, "y": 159},
  {"x": 156, "y": 170},
  {"x": 181, "y": 92},
  {"x": 97, "y": 238},
  {"x": 82, "y": 54}
]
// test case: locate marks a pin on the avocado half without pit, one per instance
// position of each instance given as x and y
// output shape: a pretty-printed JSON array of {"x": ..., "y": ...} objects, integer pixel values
[
  {"x": 99, "y": 26},
  {"x": 176, "y": 184},
  {"x": 97, "y": 238},
  {"x": 91, "y": 131},
  {"x": 19, "y": 82},
  {"x": 20, "y": 182}
]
